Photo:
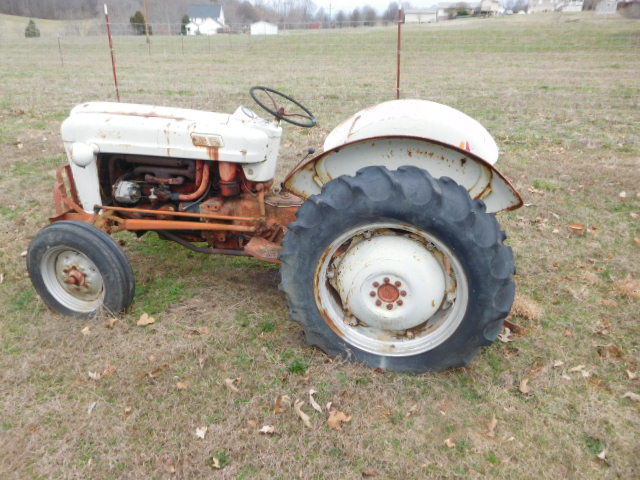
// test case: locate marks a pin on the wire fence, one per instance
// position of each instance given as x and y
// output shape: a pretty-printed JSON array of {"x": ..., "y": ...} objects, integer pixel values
[{"x": 565, "y": 80}]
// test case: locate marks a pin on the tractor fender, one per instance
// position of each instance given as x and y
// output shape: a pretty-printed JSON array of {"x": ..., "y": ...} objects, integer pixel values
[
  {"x": 481, "y": 179},
  {"x": 417, "y": 118}
]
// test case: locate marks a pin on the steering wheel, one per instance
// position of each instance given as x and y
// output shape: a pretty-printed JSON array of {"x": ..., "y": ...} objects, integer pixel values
[{"x": 278, "y": 111}]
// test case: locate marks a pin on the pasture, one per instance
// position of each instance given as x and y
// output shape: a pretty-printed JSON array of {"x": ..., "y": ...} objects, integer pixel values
[{"x": 557, "y": 399}]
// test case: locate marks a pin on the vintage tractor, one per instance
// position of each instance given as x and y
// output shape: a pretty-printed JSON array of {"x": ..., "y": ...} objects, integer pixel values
[{"x": 389, "y": 248}]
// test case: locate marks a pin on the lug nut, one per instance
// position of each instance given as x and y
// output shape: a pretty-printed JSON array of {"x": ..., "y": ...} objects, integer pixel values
[
  {"x": 398, "y": 283},
  {"x": 378, "y": 303},
  {"x": 389, "y": 306},
  {"x": 373, "y": 294},
  {"x": 403, "y": 293},
  {"x": 386, "y": 280},
  {"x": 376, "y": 284},
  {"x": 400, "y": 303}
]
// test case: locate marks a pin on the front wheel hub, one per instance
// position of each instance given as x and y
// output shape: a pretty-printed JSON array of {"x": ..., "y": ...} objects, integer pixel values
[{"x": 390, "y": 282}]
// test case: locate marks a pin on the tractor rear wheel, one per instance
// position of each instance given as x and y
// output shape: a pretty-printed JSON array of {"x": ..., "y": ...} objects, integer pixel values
[
  {"x": 78, "y": 270},
  {"x": 397, "y": 270}
]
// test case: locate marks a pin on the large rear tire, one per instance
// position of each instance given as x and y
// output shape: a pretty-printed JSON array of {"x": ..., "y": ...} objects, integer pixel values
[
  {"x": 78, "y": 270},
  {"x": 397, "y": 270}
]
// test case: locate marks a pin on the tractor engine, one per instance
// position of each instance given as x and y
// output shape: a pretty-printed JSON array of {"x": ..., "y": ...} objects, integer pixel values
[{"x": 218, "y": 189}]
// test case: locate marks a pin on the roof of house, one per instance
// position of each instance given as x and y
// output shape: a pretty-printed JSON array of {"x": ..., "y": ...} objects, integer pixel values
[
  {"x": 421, "y": 11},
  {"x": 205, "y": 11}
]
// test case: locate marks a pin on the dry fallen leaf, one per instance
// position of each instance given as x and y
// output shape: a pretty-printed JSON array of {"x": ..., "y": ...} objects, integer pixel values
[
  {"x": 94, "y": 375},
  {"x": 282, "y": 402},
  {"x": 632, "y": 396},
  {"x": 369, "y": 472},
  {"x": 449, "y": 443},
  {"x": 558, "y": 363},
  {"x": 201, "y": 431},
  {"x": 214, "y": 462},
  {"x": 86, "y": 330},
  {"x": 602, "y": 454},
  {"x": 577, "y": 228},
  {"x": 145, "y": 319},
  {"x": 110, "y": 370},
  {"x": 337, "y": 418},
  {"x": 608, "y": 351},
  {"x": 127, "y": 410},
  {"x": 231, "y": 383},
  {"x": 157, "y": 371},
  {"x": 111, "y": 323},
  {"x": 412, "y": 411},
  {"x": 182, "y": 385},
  {"x": 313, "y": 402},
  {"x": 609, "y": 303},
  {"x": 297, "y": 406},
  {"x": 579, "y": 368},
  {"x": 491, "y": 427},
  {"x": 91, "y": 407},
  {"x": 268, "y": 430},
  {"x": 631, "y": 375},
  {"x": 523, "y": 386},
  {"x": 505, "y": 336}
]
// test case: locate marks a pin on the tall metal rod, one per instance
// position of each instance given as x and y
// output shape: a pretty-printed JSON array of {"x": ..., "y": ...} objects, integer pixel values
[
  {"x": 113, "y": 57},
  {"x": 400, "y": 23},
  {"x": 146, "y": 25},
  {"x": 60, "y": 52}
]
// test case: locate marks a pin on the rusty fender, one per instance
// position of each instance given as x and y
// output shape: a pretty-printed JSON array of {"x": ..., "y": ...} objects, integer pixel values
[{"x": 480, "y": 178}]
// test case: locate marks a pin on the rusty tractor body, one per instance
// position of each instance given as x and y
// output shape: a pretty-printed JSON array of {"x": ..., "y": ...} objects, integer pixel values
[{"x": 384, "y": 238}]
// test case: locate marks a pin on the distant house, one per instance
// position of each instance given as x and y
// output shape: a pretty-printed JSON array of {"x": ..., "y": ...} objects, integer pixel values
[
  {"x": 205, "y": 19},
  {"x": 571, "y": 6},
  {"x": 490, "y": 8},
  {"x": 421, "y": 16},
  {"x": 540, "y": 6},
  {"x": 264, "y": 28},
  {"x": 607, "y": 7}
]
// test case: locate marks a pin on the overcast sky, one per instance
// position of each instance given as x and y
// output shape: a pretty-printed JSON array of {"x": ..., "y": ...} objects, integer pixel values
[{"x": 349, "y": 5}]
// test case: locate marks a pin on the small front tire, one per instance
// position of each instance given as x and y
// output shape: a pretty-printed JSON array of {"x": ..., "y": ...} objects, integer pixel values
[{"x": 78, "y": 270}]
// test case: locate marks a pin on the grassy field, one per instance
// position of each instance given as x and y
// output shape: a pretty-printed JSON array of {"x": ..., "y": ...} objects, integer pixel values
[{"x": 561, "y": 96}]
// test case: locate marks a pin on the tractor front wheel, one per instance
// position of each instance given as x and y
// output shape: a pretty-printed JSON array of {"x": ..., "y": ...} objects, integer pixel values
[
  {"x": 78, "y": 270},
  {"x": 397, "y": 270}
]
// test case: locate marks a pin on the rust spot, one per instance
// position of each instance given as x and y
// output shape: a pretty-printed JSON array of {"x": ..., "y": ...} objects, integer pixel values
[
  {"x": 388, "y": 293},
  {"x": 214, "y": 153}
]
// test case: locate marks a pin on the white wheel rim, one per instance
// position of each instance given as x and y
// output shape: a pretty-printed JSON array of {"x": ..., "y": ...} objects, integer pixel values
[
  {"x": 72, "y": 279},
  {"x": 391, "y": 289}
]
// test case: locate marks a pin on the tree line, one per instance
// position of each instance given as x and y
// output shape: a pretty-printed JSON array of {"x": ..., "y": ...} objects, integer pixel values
[{"x": 236, "y": 11}]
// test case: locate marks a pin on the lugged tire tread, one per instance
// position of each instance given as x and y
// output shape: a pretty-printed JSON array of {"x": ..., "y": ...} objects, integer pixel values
[{"x": 493, "y": 259}]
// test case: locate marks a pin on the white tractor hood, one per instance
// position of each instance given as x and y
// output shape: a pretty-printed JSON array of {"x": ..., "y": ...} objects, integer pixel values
[{"x": 242, "y": 137}]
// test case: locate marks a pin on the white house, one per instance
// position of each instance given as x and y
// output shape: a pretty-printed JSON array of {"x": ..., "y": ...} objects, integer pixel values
[
  {"x": 539, "y": 6},
  {"x": 205, "y": 19},
  {"x": 606, "y": 7},
  {"x": 490, "y": 8},
  {"x": 571, "y": 6},
  {"x": 421, "y": 16},
  {"x": 264, "y": 28}
]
